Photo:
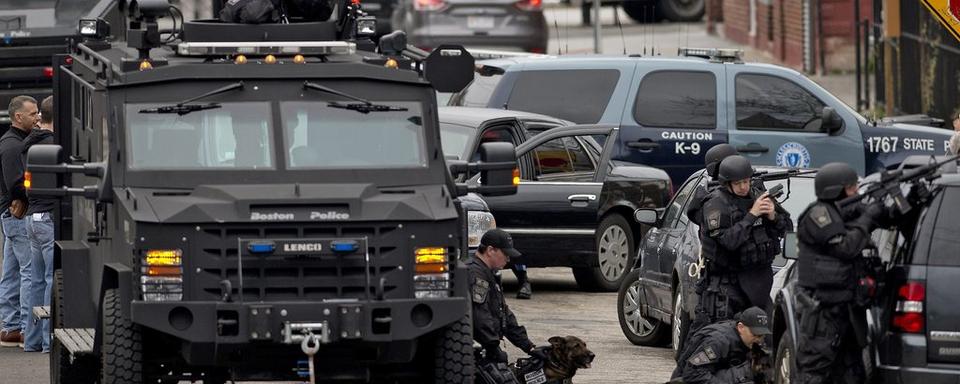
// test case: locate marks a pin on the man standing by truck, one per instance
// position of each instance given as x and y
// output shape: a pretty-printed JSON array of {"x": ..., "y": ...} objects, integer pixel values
[
  {"x": 15, "y": 284},
  {"x": 40, "y": 231}
]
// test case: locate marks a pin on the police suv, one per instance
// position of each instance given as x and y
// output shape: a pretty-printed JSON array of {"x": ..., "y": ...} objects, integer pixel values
[
  {"x": 671, "y": 110},
  {"x": 258, "y": 202}
]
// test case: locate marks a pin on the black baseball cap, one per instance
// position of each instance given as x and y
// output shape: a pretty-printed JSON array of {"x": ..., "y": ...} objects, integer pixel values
[
  {"x": 500, "y": 239},
  {"x": 757, "y": 320}
]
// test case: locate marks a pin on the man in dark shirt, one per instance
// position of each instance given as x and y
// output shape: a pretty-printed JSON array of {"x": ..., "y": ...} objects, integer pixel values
[
  {"x": 40, "y": 231},
  {"x": 492, "y": 319},
  {"x": 720, "y": 352},
  {"x": 15, "y": 285}
]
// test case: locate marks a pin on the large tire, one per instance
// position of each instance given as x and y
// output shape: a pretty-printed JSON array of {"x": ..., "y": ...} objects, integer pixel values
[
  {"x": 638, "y": 329},
  {"x": 681, "y": 10},
  {"x": 453, "y": 354},
  {"x": 615, "y": 254},
  {"x": 122, "y": 350},
  {"x": 681, "y": 323},
  {"x": 62, "y": 370},
  {"x": 785, "y": 368}
]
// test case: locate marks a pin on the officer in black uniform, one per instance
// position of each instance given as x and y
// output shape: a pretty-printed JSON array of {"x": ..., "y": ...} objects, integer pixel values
[
  {"x": 721, "y": 352},
  {"x": 742, "y": 237},
  {"x": 711, "y": 160},
  {"x": 492, "y": 319},
  {"x": 832, "y": 241}
]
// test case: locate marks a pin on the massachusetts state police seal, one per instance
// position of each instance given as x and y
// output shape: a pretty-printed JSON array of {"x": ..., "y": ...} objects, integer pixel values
[{"x": 793, "y": 155}]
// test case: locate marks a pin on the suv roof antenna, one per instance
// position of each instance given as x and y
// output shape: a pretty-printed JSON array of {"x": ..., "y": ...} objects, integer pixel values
[
  {"x": 616, "y": 17},
  {"x": 643, "y": 28},
  {"x": 653, "y": 30},
  {"x": 556, "y": 27}
]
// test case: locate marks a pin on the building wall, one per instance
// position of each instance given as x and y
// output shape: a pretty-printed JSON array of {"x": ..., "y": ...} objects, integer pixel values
[{"x": 779, "y": 29}]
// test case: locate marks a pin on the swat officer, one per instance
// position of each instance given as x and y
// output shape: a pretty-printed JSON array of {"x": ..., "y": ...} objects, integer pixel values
[
  {"x": 721, "y": 352},
  {"x": 741, "y": 239},
  {"x": 492, "y": 319},
  {"x": 831, "y": 242},
  {"x": 711, "y": 160}
]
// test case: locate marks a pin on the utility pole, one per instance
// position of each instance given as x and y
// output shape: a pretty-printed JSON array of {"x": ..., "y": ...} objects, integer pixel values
[{"x": 596, "y": 26}]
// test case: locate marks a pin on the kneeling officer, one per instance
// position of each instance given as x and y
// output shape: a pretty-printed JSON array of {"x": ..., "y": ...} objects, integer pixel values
[
  {"x": 492, "y": 319},
  {"x": 721, "y": 352}
]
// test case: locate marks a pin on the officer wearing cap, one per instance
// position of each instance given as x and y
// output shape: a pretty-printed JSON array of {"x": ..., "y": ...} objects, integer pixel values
[
  {"x": 741, "y": 237},
  {"x": 720, "y": 352},
  {"x": 831, "y": 242},
  {"x": 492, "y": 319}
]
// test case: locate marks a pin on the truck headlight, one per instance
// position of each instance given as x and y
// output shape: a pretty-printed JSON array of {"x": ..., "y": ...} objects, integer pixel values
[
  {"x": 478, "y": 223},
  {"x": 431, "y": 277},
  {"x": 161, "y": 276}
]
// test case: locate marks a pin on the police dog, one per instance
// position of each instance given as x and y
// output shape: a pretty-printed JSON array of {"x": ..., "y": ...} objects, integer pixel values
[{"x": 565, "y": 356}]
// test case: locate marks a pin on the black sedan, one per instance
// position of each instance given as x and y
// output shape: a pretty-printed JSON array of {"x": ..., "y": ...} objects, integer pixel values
[
  {"x": 573, "y": 207},
  {"x": 657, "y": 298}
]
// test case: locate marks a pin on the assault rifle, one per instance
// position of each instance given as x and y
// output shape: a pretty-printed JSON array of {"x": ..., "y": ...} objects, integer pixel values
[{"x": 889, "y": 186}]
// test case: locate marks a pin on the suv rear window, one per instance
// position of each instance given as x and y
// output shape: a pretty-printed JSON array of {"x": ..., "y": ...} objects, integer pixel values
[
  {"x": 579, "y": 95},
  {"x": 946, "y": 233}
]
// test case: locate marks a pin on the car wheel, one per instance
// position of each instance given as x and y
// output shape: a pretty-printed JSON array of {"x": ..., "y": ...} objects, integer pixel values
[
  {"x": 682, "y": 10},
  {"x": 681, "y": 323},
  {"x": 614, "y": 256},
  {"x": 122, "y": 359},
  {"x": 640, "y": 330},
  {"x": 785, "y": 369}
]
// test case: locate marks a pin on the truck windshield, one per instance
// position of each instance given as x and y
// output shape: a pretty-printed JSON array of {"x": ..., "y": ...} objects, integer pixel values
[
  {"x": 234, "y": 136},
  {"x": 319, "y": 136}
]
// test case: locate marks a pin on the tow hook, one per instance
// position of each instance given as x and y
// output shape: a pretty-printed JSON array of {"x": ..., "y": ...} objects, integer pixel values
[{"x": 310, "y": 345}]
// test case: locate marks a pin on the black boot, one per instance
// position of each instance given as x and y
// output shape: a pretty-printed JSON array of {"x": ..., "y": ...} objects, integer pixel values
[{"x": 525, "y": 291}]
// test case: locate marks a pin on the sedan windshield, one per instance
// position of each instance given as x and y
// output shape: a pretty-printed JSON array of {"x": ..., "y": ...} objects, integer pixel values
[
  {"x": 233, "y": 136},
  {"x": 318, "y": 135}
]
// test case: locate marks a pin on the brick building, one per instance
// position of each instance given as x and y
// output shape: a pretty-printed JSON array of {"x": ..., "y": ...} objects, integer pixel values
[{"x": 788, "y": 29}]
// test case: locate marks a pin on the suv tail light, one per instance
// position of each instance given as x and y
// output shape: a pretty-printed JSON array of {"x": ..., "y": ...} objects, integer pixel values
[
  {"x": 428, "y": 5},
  {"x": 908, "y": 317},
  {"x": 530, "y": 5}
]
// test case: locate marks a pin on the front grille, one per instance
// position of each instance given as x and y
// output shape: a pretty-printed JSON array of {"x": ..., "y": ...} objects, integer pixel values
[{"x": 295, "y": 278}]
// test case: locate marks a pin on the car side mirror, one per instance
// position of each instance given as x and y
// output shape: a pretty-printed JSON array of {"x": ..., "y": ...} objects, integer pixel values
[
  {"x": 831, "y": 123},
  {"x": 646, "y": 216},
  {"x": 790, "y": 247},
  {"x": 45, "y": 163},
  {"x": 499, "y": 174}
]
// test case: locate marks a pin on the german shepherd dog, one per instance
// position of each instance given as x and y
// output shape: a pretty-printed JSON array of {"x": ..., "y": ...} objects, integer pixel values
[{"x": 565, "y": 356}]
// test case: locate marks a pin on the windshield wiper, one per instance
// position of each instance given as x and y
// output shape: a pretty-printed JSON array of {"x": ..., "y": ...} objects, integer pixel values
[
  {"x": 362, "y": 105},
  {"x": 366, "y": 108},
  {"x": 184, "y": 107}
]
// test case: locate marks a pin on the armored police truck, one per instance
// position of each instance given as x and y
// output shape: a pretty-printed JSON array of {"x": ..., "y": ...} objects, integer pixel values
[{"x": 258, "y": 202}]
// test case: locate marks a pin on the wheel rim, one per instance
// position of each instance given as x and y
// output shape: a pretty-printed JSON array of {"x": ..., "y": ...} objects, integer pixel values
[
  {"x": 637, "y": 324},
  {"x": 677, "y": 307},
  {"x": 785, "y": 366},
  {"x": 612, "y": 253}
]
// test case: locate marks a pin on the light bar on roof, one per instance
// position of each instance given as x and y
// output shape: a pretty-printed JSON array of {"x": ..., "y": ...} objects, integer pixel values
[
  {"x": 266, "y": 48},
  {"x": 712, "y": 54}
]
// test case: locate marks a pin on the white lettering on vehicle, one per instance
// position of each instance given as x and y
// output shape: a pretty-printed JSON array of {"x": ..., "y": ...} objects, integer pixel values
[
  {"x": 676, "y": 135},
  {"x": 889, "y": 144},
  {"x": 273, "y": 216},
  {"x": 329, "y": 215},
  {"x": 681, "y": 148},
  {"x": 302, "y": 247}
]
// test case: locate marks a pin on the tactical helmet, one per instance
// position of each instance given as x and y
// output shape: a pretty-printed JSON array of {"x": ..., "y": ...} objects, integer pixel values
[
  {"x": 715, "y": 155},
  {"x": 734, "y": 168},
  {"x": 832, "y": 179}
]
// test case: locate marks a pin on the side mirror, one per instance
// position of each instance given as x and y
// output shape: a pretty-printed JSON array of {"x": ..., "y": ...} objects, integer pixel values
[
  {"x": 499, "y": 174},
  {"x": 831, "y": 123},
  {"x": 646, "y": 216},
  {"x": 44, "y": 164},
  {"x": 790, "y": 247}
]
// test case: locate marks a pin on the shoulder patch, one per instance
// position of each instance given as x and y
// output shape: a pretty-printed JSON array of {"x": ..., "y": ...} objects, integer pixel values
[
  {"x": 820, "y": 216},
  {"x": 708, "y": 350},
  {"x": 713, "y": 219},
  {"x": 698, "y": 359},
  {"x": 480, "y": 289}
]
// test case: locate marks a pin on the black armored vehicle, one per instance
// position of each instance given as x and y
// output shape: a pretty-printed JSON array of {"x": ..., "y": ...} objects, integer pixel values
[{"x": 258, "y": 202}]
